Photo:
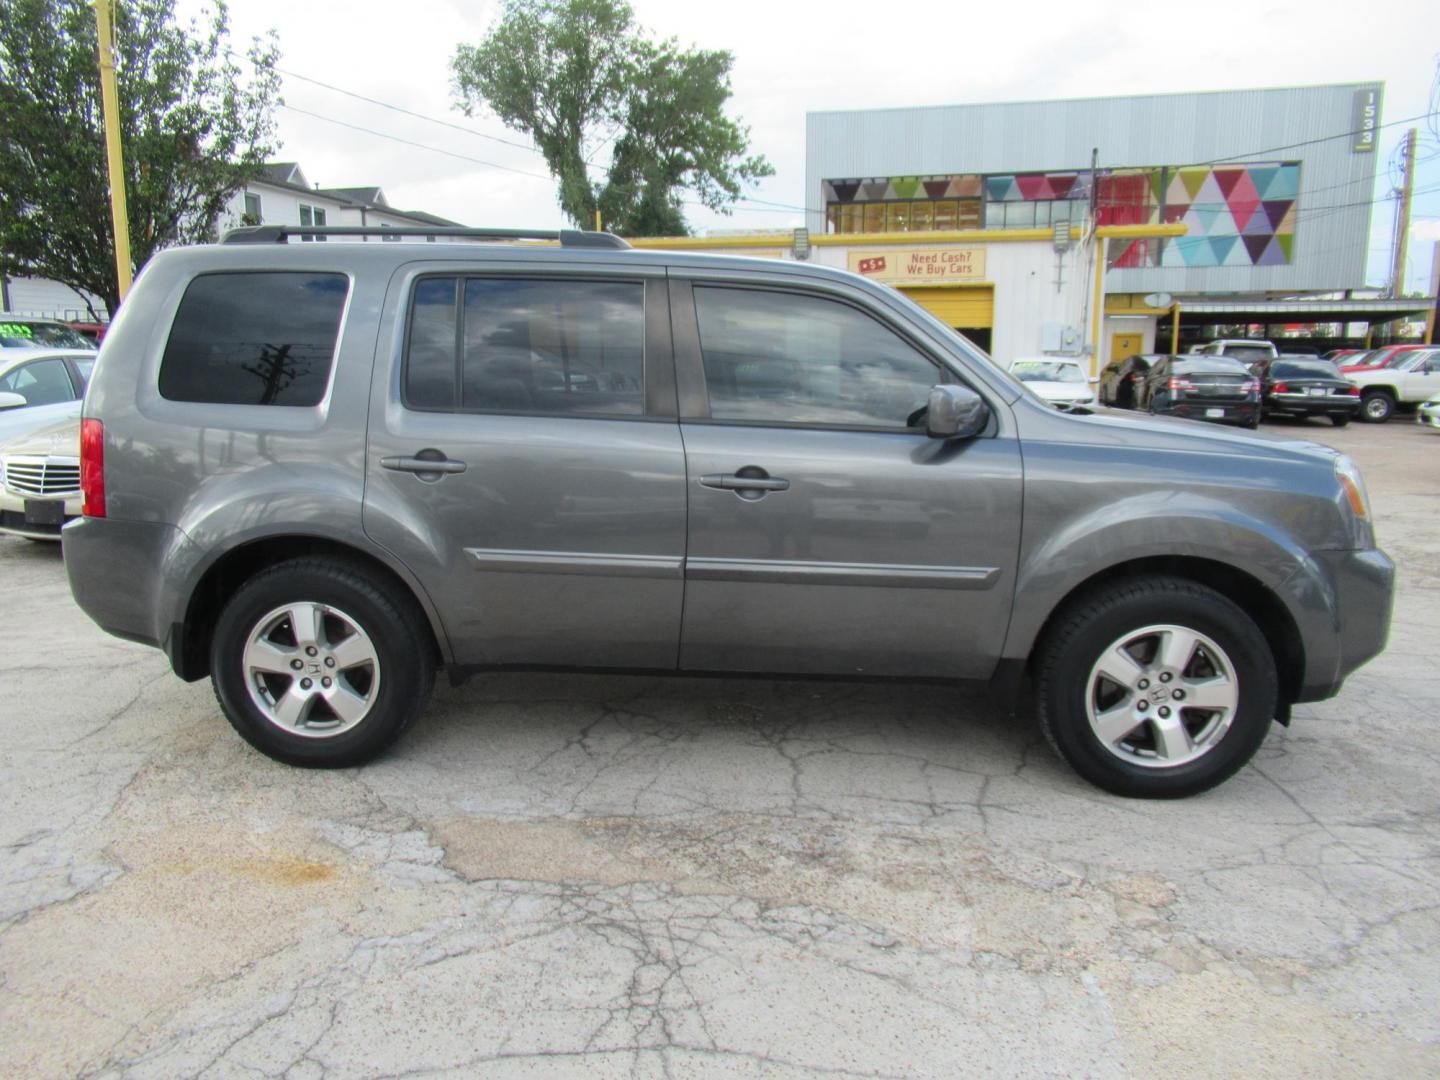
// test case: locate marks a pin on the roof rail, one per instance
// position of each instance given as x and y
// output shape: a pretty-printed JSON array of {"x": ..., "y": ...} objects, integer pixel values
[{"x": 280, "y": 234}]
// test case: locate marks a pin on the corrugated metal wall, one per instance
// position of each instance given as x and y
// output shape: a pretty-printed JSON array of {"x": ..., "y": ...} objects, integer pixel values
[{"x": 1331, "y": 235}]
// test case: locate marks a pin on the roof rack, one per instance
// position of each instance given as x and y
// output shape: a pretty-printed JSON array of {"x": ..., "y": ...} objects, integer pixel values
[{"x": 280, "y": 234}]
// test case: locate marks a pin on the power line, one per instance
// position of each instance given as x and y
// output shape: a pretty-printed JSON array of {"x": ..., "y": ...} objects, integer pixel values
[{"x": 411, "y": 142}]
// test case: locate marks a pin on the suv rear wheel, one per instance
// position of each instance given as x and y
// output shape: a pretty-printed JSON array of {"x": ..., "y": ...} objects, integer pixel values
[
  {"x": 319, "y": 663},
  {"x": 1156, "y": 687}
]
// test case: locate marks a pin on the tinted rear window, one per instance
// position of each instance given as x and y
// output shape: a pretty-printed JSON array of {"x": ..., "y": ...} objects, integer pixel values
[
  {"x": 1249, "y": 352},
  {"x": 1306, "y": 369},
  {"x": 254, "y": 339},
  {"x": 1216, "y": 365}
]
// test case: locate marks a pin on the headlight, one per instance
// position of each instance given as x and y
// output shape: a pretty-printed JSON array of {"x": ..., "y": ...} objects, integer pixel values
[{"x": 1353, "y": 485}]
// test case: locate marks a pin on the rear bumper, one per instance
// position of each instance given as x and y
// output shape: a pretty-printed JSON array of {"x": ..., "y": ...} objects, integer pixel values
[
  {"x": 1362, "y": 595},
  {"x": 117, "y": 575},
  {"x": 1219, "y": 412},
  {"x": 1313, "y": 406}
]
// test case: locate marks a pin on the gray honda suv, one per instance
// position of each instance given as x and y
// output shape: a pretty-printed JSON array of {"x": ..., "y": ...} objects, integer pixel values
[{"x": 318, "y": 472}]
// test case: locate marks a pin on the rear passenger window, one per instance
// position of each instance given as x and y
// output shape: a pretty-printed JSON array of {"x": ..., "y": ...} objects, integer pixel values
[
  {"x": 787, "y": 358},
  {"x": 254, "y": 339},
  {"x": 563, "y": 348}
]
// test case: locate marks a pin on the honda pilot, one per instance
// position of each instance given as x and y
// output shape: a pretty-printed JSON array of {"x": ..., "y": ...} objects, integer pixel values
[{"x": 318, "y": 473}]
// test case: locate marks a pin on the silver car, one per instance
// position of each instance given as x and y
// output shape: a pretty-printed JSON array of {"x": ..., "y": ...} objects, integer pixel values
[{"x": 317, "y": 473}]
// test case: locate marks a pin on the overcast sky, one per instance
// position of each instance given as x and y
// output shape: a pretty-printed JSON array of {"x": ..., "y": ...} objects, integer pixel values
[{"x": 793, "y": 57}]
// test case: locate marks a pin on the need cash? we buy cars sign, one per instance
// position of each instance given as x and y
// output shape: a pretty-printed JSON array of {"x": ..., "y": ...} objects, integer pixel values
[{"x": 918, "y": 266}]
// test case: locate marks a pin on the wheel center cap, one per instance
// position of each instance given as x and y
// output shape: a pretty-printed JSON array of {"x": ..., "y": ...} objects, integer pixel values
[{"x": 1160, "y": 693}]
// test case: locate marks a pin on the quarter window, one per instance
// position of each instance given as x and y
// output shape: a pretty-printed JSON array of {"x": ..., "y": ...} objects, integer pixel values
[
  {"x": 254, "y": 339},
  {"x": 539, "y": 347},
  {"x": 786, "y": 358}
]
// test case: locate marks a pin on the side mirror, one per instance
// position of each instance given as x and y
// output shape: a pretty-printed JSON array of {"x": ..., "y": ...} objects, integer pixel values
[
  {"x": 955, "y": 412},
  {"x": 11, "y": 401}
]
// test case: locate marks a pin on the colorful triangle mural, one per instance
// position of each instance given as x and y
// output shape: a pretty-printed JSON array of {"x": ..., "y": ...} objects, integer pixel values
[{"x": 905, "y": 187}]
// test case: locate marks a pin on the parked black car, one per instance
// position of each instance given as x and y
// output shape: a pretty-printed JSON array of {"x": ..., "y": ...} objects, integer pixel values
[
  {"x": 1120, "y": 379},
  {"x": 1216, "y": 388},
  {"x": 1306, "y": 386}
]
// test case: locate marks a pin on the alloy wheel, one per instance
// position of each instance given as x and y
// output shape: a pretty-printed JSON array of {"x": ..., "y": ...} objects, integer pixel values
[
  {"x": 1161, "y": 696},
  {"x": 311, "y": 669}
]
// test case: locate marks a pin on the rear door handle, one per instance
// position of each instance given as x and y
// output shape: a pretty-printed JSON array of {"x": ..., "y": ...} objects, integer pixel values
[{"x": 423, "y": 465}]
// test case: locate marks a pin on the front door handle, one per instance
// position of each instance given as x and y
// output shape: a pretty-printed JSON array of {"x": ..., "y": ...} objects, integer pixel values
[
  {"x": 751, "y": 482},
  {"x": 733, "y": 482},
  {"x": 427, "y": 464}
]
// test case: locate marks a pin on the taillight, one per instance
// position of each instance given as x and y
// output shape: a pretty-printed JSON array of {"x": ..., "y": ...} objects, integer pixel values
[
  {"x": 92, "y": 468},
  {"x": 1353, "y": 390},
  {"x": 1179, "y": 384},
  {"x": 1280, "y": 388}
]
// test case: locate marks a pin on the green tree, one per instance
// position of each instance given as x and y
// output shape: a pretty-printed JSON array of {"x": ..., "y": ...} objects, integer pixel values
[
  {"x": 586, "y": 84},
  {"x": 192, "y": 129}
]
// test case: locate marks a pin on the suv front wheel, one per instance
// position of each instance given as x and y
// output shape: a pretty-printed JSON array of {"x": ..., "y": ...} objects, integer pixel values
[
  {"x": 319, "y": 663},
  {"x": 1156, "y": 687}
]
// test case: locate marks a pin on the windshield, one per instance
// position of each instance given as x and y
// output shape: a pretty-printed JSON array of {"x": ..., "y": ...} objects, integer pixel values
[
  {"x": 49, "y": 334},
  {"x": 1308, "y": 369},
  {"x": 1061, "y": 371}
]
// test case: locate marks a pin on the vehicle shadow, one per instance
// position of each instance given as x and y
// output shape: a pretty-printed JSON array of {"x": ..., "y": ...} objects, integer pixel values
[{"x": 538, "y": 744}]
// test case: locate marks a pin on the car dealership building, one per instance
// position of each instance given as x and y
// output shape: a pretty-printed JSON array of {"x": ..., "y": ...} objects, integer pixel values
[{"x": 1104, "y": 226}]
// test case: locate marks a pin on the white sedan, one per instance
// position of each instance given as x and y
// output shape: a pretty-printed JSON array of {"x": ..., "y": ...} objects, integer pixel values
[
  {"x": 1061, "y": 382},
  {"x": 1428, "y": 414},
  {"x": 40, "y": 481}
]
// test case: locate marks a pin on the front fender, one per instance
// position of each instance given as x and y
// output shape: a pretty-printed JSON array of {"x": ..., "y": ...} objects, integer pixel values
[{"x": 1167, "y": 524}]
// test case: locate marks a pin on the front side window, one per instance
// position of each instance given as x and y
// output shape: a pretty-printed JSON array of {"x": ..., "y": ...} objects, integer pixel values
[
  {"x": 788, "y": 358},
  {"x": 254, "y": 339},
  {"x": 537, "y": 347},
  {"x": 44, "y": 382}
]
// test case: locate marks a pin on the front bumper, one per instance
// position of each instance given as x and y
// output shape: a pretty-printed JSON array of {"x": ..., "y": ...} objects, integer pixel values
[
  {"x": 1361, "y": 585},
  {"x": 36, "y": 517}
]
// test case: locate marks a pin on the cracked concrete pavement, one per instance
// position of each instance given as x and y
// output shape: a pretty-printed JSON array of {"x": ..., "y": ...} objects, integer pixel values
[{"x": 599, "y": 876}]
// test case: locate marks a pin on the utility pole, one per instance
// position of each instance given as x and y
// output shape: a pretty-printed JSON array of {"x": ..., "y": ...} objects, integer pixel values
[
  {"x": 1402, "y": 227},
  {"x": 110, "y": 104}
]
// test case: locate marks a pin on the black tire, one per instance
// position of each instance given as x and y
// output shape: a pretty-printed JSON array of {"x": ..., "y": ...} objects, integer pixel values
[
  {"x": 397, "y": 629},
  {"x": 1377, "y": 406},
  {"x": 1339, "y": 419},
  {"x": 1089, "y": 626}
]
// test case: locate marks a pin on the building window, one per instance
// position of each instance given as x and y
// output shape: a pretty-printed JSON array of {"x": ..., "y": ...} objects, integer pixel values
[
  {"x": 252, "y": 209},
  {"x": 910, "y": 215},
  {"x": 312, "y": 215}
]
